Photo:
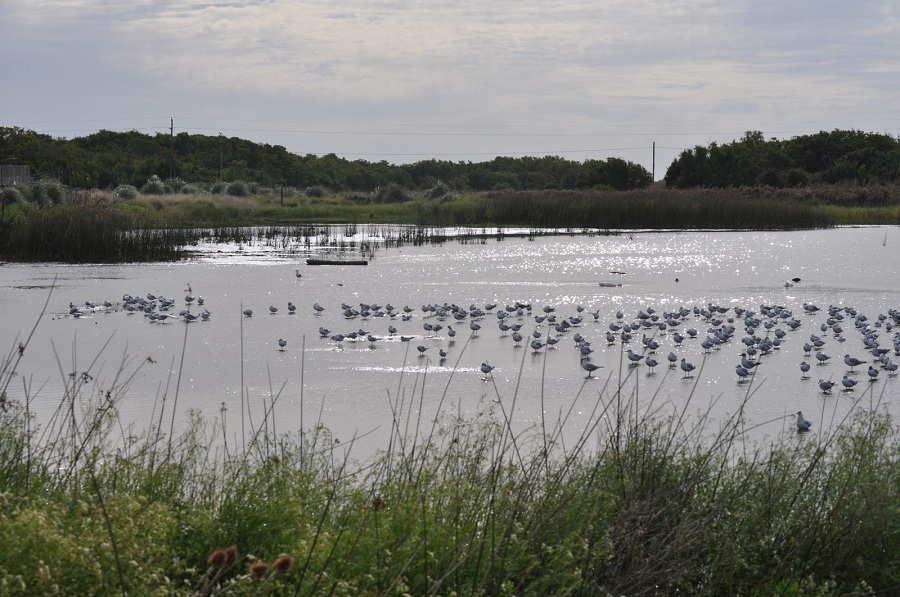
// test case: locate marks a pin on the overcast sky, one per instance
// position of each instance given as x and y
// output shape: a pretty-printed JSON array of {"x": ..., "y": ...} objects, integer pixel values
[{"x": 405, "y": 80}]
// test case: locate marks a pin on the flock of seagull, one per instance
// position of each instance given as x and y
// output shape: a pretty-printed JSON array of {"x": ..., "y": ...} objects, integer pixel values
[{"x": 763, "y": 331}]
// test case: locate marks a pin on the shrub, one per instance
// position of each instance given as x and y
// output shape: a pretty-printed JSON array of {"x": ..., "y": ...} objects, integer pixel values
[
  {"x": 45, "y": 191},
  {"x": 154, "y": 186},
  {"x": 440, "y": 189},
  {"x": 219, "y": 188},
  {"x": 191, "y": 189},
  {"x": 317, "y": 191},
  {"x": 795, "y": 177},
  {"x": 238, "y": 188},
  {"x": 11, "y": 195},
  {"x": 174, "y": 185},
  {"x": 127, "y": 192},
  {"x": 391, "y": 193}
]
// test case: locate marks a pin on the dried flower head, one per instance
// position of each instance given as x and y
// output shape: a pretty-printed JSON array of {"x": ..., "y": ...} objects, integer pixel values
[
  {"x": 231, "y": 556},
  {"x": 283, "y": 564},
  {"x": 217, "y": 558},
  {"x": 259, "y": 569},
  {"x": 377, "y": 502}
]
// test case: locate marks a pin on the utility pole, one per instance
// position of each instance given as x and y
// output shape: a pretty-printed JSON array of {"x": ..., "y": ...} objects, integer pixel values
[
  {"x": 171, "y": 147},
  {"x": 653, "y": 176}
]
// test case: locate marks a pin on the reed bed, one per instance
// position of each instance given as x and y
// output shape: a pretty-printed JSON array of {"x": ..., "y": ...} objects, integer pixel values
[
  {"x": 643, "y": 502},
  {"x": 100, "y": 227},
  {"x": 88, "y": 233},
  {"x": 649, "y": 209}
]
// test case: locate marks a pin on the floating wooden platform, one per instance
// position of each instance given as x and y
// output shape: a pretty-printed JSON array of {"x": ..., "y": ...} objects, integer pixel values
[{"x": 336, "y": 262}]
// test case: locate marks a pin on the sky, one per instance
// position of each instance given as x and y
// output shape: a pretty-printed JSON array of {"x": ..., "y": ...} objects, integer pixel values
[{"x": 467, "y": 80}]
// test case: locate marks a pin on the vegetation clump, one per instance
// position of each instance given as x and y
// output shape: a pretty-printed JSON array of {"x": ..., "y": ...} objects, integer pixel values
[
  {"x": 10, "y": 195},
  {"x": 238, "y": 188},
  {"x": 391, "y": 193},
  {"x": 830, "y": 157},
  {"x": 45, "y": 192},
  {"x": 315, "y": 191},
  {"x": 127, "y": 192},
  {"x": 440, "y": 190},
  {"x": 154, "y": 186}
]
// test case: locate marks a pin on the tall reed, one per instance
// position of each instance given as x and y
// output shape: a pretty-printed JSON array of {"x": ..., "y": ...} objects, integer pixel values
[{"x": 88, "y": 232}]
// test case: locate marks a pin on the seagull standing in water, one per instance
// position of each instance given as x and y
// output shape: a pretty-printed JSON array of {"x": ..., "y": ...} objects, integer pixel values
[
  {"x": 851, "y": 362},
  {"x": 589, "y": 367},
  {"x": 802, "y": 424},
  {"x": 282, "y": 343},
  {"x": 804, "y": 367},
  {"x": 487, "y": 369},
  {"x": 298, "y": 274},
  {"x": 634, "y": 357},
  {"x": 848, "y": 383},
  {"x": 826, "y": 385},
  {"x": 687, "y": 368},
  {"x": 873, "y": 373}
]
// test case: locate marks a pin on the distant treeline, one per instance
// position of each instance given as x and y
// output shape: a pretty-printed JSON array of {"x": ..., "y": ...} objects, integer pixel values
[
  {"x": 825, "y": 157},
  {"x": 109, "y": 159}
]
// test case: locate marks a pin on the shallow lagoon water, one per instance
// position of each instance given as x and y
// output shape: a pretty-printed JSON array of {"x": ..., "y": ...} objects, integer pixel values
[{"x": 354, "y": 388}]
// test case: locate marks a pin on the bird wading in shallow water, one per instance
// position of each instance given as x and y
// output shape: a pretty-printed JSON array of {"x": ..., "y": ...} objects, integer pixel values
[
  {"x": 826, "y": 385},
  {"x": 589, "y": 367},
  {"x": 487, "y": 370}
]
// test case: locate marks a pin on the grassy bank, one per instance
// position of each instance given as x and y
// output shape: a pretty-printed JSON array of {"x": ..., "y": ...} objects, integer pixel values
[{"x": 639, "y": 504}]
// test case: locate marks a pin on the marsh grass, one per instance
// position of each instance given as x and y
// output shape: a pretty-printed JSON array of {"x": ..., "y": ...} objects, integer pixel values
[
  {"x": 646, "y": 500},
  {"x": 88, "y": 232},
  {"x": 104, "y": 227}
]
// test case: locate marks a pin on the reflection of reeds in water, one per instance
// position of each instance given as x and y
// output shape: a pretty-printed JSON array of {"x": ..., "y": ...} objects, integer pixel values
[
  {"x": 647, "y": 499},
  {"x": 367, "y": 239}
]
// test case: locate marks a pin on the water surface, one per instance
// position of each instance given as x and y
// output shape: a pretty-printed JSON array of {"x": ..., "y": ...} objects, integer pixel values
[{"x": 355, "y": 388}]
